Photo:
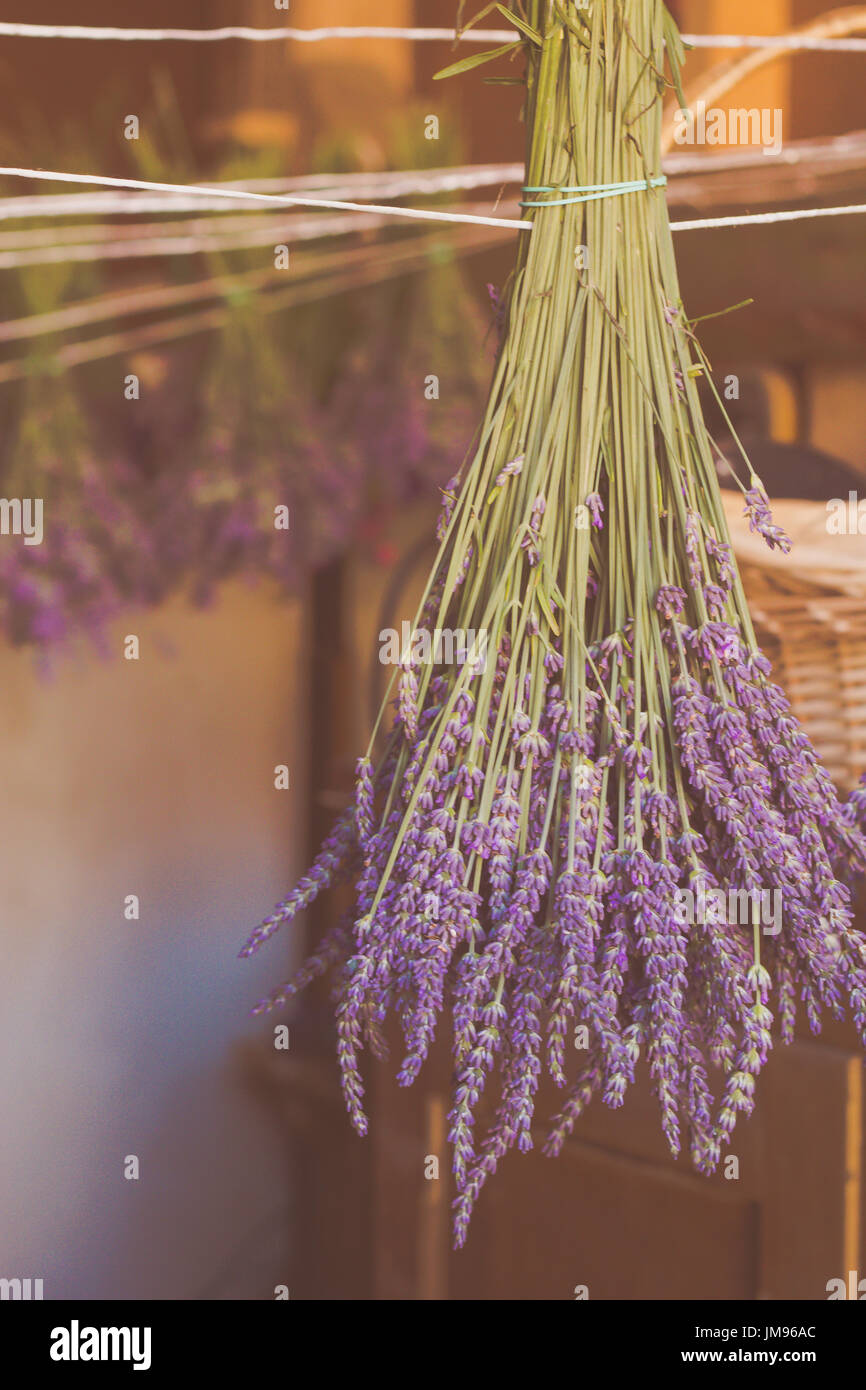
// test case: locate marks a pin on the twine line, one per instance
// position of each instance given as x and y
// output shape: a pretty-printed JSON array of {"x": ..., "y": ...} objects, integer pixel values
[
  {"x": 523, "y": 225},
  {"x": 260, "y": 35},
  {"x": 590, "y": 193}
]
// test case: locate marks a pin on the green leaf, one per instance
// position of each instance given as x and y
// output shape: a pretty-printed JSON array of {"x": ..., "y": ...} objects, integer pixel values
[
  {"x": 547, "y": 611},
  {"x": 475, "y": 60},
  {"x": 702, "y": 318},
  {"x": 521, "y": 24},
  {"x": 676, "y": 53},
  {"x": 461, "y": 27}
]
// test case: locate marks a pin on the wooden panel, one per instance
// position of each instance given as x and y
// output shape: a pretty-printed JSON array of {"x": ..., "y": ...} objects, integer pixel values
[
  {"x": 620, "y": 1228},
  {"x": 412, "y": 1210},
  {"x": 331, "y": 1216},
  {"x": 617, "y": 1214},
  {"x": 804, "y": 1111}
]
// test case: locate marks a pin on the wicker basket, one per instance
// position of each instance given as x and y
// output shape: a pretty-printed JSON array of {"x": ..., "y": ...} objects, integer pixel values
[{"x": 809, "y": 611}]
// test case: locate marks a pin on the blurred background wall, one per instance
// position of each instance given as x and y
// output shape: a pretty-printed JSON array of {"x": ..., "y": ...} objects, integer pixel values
[{"x": 156, "y": 778}]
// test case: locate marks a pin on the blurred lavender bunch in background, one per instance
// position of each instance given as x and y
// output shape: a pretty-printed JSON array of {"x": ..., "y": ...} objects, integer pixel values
[
  {"x": 410, "y": 394},
  {"x": 271, "y": 492},
  {"x": 95, "y": 554}
]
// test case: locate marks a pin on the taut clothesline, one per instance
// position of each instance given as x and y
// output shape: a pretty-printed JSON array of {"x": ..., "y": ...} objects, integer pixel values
[
  {"x": 395, "y": 183},
  {"x": 276, "y": 199},
  {"x": 107, "y": 33},
  {"x": 419, "y": 214}
]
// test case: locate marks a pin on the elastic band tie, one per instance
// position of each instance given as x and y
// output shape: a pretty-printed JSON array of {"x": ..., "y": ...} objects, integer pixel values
[{"x": 590, "y": 194}]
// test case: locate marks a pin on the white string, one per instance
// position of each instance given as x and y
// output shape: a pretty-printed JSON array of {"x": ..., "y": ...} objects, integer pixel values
[
  {"x": 805, "y": 41},
  {"x": 383, "y": 210},
  {"x": 282, "y": 200},
  {"x": 394, "y": 184},
  {"x": 256, "y": 35},
  {"x": 400, "y": 183},
  {"x": 753, "y": 219}
]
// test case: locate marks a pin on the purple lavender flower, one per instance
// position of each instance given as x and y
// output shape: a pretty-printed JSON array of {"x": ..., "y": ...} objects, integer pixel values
[
  {"x": 532, "y": 539},
  {"x": 670, "y": 601},
  {"x": 757, "y": 509},
  {"x": 595, "y": 507},
  {"x": 511, "y": 470}
]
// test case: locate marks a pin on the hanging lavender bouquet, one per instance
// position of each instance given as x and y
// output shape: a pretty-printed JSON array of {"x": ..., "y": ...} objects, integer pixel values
[
  {"x": 411, "y": 394},
  {"x": 265, "y": 446},
  {"x": 93, "y": 555},
  {"x": 562, "y": 848},
  {"x": 411, "y": 390}
]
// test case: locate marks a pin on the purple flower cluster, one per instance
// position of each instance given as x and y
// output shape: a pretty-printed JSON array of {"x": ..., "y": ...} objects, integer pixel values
[
  {"x": 757, "y": 509},
  {"x": 96, "y": 549},
  {"x": 266, "y": 484},
  {"x": 526, "y": 879},
  {"x": 410, "y": 393}
]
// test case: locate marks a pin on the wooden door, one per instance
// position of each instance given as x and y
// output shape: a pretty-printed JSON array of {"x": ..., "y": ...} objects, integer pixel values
[{"x": 614, "y": 1217}]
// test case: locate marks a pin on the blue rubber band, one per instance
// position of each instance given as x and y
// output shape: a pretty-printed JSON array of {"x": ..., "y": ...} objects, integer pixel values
[{"x": 590, "y": 194}]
